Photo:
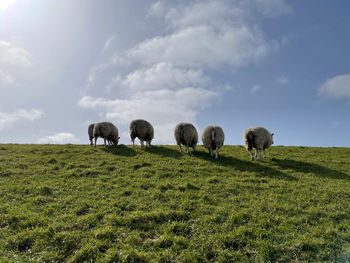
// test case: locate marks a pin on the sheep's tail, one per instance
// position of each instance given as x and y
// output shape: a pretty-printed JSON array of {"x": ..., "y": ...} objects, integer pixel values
[{"x": 250, "y": 140}]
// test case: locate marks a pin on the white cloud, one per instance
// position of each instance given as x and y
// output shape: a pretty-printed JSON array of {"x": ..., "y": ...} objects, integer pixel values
[
  {"x": 59, "y": 138},
  {"x": 12, "y": 55},
  {"x": 158, "y": 105},
  {"x": 13, "y": 61},
  {"x": 205, "y": 46},
  {"x": 210, "y": 33},
  {"x": 282, "y": 80},
  {"x": 255, "y": 89},
  {"x": 20, "y": 115},
  {"x": 337, "y": 87},
  {"x": 164, "y": 75}
]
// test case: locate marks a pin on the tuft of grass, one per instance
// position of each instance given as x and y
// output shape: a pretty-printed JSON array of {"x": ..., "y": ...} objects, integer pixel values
[{"x": 77, "y": 203}]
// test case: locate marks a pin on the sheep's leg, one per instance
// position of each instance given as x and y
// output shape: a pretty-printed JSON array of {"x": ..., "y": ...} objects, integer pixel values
[
  {"x": 95, "y": 141},
  {"x": 142, "y": 144},
  {"x": 264, "y": 154},
  {"x": 194, "y": 148},
  {"x": 187, "y": 149},
  {"x": 91, "y": 142},
  {"x": 149, "y": 143},
  {"x": 180, "y": 147},
  {"x": 211, "y": 152},
  {"x": 251, "y": 155},
  {"x": 104, "y": 139},
  {"x": 217, "y": 153},
  {"x": 257, "y": 154}
]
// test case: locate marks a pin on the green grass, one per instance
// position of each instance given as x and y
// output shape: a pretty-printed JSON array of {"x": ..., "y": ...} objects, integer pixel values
[{"x": 76, "y": 203}]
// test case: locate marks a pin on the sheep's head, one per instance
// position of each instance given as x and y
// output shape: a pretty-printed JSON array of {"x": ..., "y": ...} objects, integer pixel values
[
  {"x": 116, "y": 140},
  {"x": 272, "y": 138}
]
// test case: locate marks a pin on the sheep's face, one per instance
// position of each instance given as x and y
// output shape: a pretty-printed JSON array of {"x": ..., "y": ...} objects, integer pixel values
[
  {"x": 116, "y": 140},
  {"x": 272, "y": 138}
]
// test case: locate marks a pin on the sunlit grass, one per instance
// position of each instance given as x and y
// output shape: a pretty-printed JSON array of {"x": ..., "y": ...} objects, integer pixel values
[{"x": 79, "y": 203}]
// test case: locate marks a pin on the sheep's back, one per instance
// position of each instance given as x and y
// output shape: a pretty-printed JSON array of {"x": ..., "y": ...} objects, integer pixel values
[
  {"x": 186, "y": 134},
  {"x": 261, "y": 137},
  {"x": 103, "y": 129},
  {"x": 141, "y": 129},
  {"x": 219, "y": 137}
]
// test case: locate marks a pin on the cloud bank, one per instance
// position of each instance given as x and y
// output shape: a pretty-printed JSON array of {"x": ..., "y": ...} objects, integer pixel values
[
  {"x": 168, "y": 78},
  {"x": 7, "y": 120},
  {"x": 59, "y": 138}
]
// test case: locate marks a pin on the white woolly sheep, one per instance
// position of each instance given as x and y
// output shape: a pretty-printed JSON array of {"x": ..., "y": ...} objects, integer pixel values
[
  {"x": 143, "y": 130},
  {"x": 106, "y": 130},
  {"x": 258, "y": 138},
  {"x": 91, "y": 134},
  {"x": 213, "y": 139},
  {"x": 186, "y": 134}
]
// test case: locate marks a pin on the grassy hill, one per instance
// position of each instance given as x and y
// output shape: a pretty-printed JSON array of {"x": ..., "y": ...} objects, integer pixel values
[{"x": 78, "y": 203}]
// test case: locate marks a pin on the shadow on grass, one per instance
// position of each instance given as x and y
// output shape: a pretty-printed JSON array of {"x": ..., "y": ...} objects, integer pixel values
[
  {"x": 316, "y": 169},
  {"x": 249, "y": 166},
  {"x": 121, "y": 149},
  {"x": 164, "y": 151}
]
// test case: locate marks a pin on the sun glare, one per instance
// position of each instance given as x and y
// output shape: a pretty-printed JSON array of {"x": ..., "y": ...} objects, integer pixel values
[{"x": 5, "y": 4}]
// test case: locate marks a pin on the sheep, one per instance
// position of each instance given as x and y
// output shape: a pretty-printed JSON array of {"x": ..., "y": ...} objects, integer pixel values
[
  {"x": 143, "y": 130},
  {"x": 107, "y": 131},
  {"x": 213, "y": 138},
  {"x": 186, "y": 134},
  {"x": 258, "y": 138},
  {"x": 91, "y": 134}
]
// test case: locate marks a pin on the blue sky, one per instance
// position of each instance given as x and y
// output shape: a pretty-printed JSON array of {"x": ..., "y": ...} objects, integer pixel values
[{"x": 283, "y": 65}]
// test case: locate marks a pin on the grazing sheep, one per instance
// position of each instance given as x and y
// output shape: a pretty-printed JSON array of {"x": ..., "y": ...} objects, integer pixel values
[
  {"x": 213, "y": 139},
  {"x": 91, "y": 134},
  {"x": 258, "y": 138},
  {"x": 107, "y": 131},
  {"x": 186, "y": 134},
  {"x": 143, "y": 130}
]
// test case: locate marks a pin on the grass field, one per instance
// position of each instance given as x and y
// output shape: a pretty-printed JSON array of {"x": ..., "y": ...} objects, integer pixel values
[{"x": 75, "y": 203}]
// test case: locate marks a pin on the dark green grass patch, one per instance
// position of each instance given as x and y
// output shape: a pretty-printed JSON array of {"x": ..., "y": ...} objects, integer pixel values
[{"x": 75, "y": 203}]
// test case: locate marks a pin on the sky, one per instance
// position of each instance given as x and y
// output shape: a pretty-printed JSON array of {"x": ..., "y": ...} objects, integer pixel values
[{"x": 283, "y": 65}]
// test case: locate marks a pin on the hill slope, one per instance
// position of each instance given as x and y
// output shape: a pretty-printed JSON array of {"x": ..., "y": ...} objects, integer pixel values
[{"x": 119, "y": 204}]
